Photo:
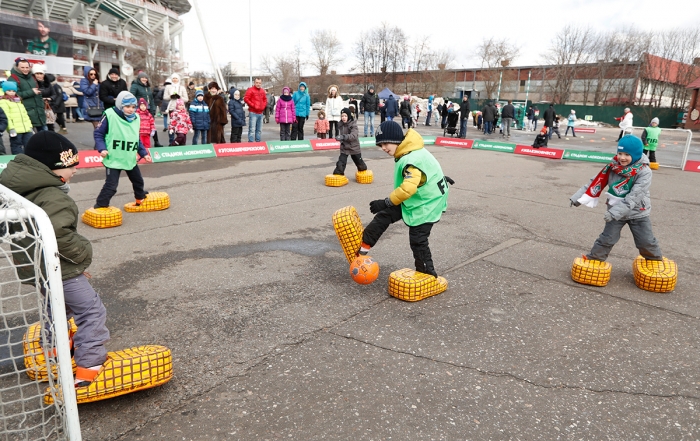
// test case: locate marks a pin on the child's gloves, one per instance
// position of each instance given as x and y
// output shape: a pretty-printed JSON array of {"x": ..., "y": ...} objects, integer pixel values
[
  {"x": 379, "y": 205},
  {"x": 574, "y": 203},
  {"x": 340, "y": 138},
  {"x": 171, "y": 132},
  {"x": 13, "y": 133},
  {"x": 608, "y": 217}
]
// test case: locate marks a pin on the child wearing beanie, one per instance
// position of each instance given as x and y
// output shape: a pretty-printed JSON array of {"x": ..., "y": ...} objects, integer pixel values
[
  {"x": 199, "y": 116},
  {"x": 349, "y": 143},
  {"x": 628, "y": 179},
  {"x": 180, "y": 124},
  {"x": 419, "y": 197},
  {"x": 650, "y": 139},
  {"x": 117, "y": 139},
  {"x": 19, "y": 124},
  {"x": 148, "y": 124},
  {"x": 42, "y": 175},
  {"x": 541, "y": 139}
]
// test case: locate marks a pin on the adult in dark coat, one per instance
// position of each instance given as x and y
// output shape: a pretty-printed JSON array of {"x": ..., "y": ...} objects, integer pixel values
[
  {"x": 110, "y": 88},
  {"x": 235, "y": 108},
  {"x": 369, "y": 106},
  {"x": 488, "y": 114},
  {"x": 443, "y": 113},
  {"x": 217, "y": 114},
  {"x": 141, "y": 88},
  {"x": 392, "y": 108},
  {"x": 28, "y": 90},
  {"x": 549, "y": 116},
  {"x": 58, "y": 104},
  {"x": 463, "y": 116},
  {"x": 405, "y": 111}
]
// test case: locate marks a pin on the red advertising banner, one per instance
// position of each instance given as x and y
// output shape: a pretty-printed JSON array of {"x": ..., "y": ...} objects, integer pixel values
[
  {"x": 325, "y": 144},
  {"x": 584, "y": 130},
  {"x": 241, "y": 148},
  {"x": 92, "y": 158},
  {"x": 454, "y": 142},
  {"x": 693, "y": 166},
  {"x": 89, "y": 158},
  {"x": 540, "y": 152}
]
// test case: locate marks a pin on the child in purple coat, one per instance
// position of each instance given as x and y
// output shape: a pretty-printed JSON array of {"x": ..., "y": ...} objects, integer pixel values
[{"x": 285, "y": 114}]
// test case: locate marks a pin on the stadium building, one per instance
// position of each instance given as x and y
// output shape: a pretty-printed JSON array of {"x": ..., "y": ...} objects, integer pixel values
[{"x": 69, "y": 34}]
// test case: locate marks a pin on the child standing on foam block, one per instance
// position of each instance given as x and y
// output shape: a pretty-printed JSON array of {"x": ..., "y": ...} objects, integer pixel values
[
  {"x": 117, "y": 140},
  {"x": 42, "y": 176},
  {"x": 419, "y": 197},
  {"x": 628, "y": 179}
]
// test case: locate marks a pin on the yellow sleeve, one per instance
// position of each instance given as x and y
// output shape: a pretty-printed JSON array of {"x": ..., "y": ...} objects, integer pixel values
[{"x": 411, "y": 181}]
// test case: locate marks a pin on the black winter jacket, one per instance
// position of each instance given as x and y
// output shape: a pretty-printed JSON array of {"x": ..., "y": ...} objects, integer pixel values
[
  {"x": 464, "y": 109},
  {"x": 3, "y": 121},
  {"x": 549, "y": 115},
  {"x": 370, "y": 102},
  {"x": 508, "y": 111},
  {"x": 405, "y": 109},
  {"x": 109, "y": 90},
  {"x": 488, "y": 113}
]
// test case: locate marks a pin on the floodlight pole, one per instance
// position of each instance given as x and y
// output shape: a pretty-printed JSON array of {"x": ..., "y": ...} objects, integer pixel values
[
  {"x": 217, "y": 70},
  {"x": 250, "y": 43}
]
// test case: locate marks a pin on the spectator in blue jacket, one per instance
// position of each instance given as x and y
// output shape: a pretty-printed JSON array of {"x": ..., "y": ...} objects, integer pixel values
[
  {"x": 199, "y": 115},
  {"x": 392, "y": 108},
  {"x": 235, "y": 108},
  {"x": 90, "y": 86},
  {"x": 302, "y": 104}
]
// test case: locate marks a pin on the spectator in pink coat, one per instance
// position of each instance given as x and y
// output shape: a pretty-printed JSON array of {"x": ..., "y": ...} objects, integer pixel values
[{"x": 285, "y": 114}]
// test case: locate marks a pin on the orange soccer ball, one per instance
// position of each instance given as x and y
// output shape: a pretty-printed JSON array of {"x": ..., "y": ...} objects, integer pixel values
[{"x": 364, "y": 270}]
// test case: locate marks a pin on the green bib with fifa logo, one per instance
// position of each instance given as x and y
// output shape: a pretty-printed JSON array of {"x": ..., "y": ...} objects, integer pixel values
[
  {"x": 122, "y": 140},
  {"x": 652, "y": 138},
  {"x": 430, "y": 200}
]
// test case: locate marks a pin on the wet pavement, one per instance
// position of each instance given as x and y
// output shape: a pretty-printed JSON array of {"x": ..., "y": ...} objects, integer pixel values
[{"x": 244, "y": 279}]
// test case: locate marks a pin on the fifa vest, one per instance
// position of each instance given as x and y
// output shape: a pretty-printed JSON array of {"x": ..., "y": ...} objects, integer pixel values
[
  {"x": 122, "y": 141},
  {"x": 652, "y": 138},
  {"x": 430, "y": 200}
]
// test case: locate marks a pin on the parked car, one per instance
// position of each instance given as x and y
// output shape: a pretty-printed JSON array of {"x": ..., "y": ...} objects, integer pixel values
[{"x": 318, "y": 106}]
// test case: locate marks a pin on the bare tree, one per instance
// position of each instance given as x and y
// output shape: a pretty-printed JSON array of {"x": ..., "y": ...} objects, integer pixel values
[
  {"x": 381, "y": 53},
  {"x": 153, "y": 58},
  {"x": 327, "y": 51},
  {"x": 494, "y": 56},
  {"x": 228, "y": 73},
  {"x": 283, "y": 70},
  {"x": 570, "y": 49}
]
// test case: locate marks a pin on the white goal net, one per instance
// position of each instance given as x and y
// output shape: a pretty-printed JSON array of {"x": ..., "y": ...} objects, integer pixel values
[{"x": 34, "y": 360}]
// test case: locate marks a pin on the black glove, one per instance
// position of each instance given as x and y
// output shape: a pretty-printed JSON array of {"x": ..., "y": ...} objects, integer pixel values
[
  {"x": 340, "y": 138},
  {"x": 574, "y": 203},
  {"x": 449, "y": 180},
  {"x": 379, "y": 205}
]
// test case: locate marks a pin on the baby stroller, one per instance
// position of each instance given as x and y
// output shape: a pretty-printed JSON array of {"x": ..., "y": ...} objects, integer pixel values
[{"x": 452, "y": 121}]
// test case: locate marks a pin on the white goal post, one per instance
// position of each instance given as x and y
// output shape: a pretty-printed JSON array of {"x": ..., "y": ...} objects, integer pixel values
[{"x": 23, "y": 413}]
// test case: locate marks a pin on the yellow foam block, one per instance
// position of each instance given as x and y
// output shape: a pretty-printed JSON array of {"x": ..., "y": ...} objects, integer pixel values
[
  {"x": 412, "y": 286},
  {"x": 106, "y": 217},
  {"x": 155, "y": 201},
  {"x": 655, "y": 275},
  {"x": 34, "y": 356},
  {"x": 336, "y": 180},
  {"x": 124, "y": 372},
  {"x": 654, "y": 165},
  {"x": 590, "y": 272},
  {"x": 348, "y": 228},
  {"x": 364, "y": 177}
]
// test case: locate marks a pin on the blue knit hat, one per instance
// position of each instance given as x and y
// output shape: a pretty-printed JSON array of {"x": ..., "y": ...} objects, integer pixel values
[
  {"x": 124, "y": 99},
  {"x": 631, "y": 145},
  {"x": 198, "y": 92},
  {"x": 389, "y": 132},
  {"x": 9, "y": 85}
]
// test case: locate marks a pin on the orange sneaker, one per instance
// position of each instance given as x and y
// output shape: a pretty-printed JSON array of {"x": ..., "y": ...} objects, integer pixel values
[{"x": 140, "y": 201}]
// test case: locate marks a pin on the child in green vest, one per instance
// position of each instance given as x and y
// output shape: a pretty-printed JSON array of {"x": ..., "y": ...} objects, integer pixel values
[
  {"x": 650, "y": 138},
  {"x": 117, "y": 139},
  {"x": 419, "y": 197}
]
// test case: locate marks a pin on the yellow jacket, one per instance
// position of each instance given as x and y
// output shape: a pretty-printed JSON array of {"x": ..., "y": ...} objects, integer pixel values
[
  {"x": 413, "y": 178},
  {"x": 17, "y": 117}
]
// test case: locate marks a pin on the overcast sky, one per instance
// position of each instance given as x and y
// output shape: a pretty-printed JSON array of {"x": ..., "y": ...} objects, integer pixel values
[{"x": 277, "y": 26}]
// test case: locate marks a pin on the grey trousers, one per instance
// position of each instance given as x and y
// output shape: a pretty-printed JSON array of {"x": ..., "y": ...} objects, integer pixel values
[
  {"x": 644, "y": 239},
  {"x": 506, "y": 126},
  {"x": 90, "y": 315}
]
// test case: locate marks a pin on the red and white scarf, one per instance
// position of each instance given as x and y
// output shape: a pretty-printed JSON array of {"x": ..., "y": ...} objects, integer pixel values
[{"x": 617, "y": 191}]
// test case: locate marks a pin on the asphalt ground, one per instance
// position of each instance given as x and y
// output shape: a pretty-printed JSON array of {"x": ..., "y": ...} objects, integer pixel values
[{"x": 244, "y": 279}]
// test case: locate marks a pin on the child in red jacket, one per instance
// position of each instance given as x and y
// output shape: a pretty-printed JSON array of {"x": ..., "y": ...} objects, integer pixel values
[
  {"x": 148, "y": 124},
  {"x": 180, "y": 123},
  {"x": 321, "y": 126}
]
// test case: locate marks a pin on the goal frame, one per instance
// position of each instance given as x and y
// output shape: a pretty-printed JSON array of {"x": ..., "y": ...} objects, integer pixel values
[{"x": 55, "y": 283}]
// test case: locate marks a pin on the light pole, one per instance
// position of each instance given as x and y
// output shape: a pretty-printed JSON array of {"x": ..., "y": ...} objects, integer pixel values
[{"x": 250, "y": 43}]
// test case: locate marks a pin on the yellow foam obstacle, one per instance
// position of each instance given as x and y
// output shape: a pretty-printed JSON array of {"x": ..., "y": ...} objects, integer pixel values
[
  {"x": 412, "y": 286},
  {"x": 590, "y": 271},
  {"x": 155, "y": 201},
  {"x": 106, "y": 217},
  {"x": 655, "y": 275},
  {"x": 34, "y": 356},
  {"x": 124, "y": 372},
  {"x": 348, "y": 228},
  {"x": 654, "y": 165},
  {"x": 364, "y": 177},
  {"x": 336, "y": 180}
]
